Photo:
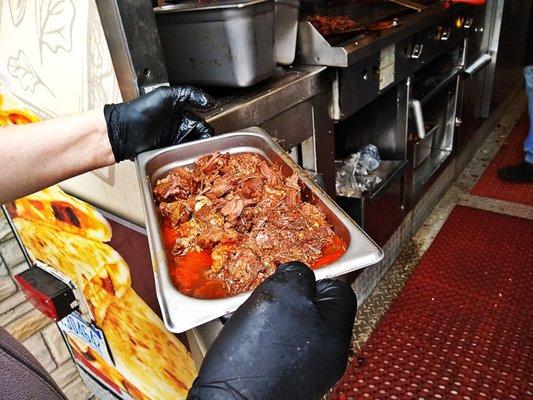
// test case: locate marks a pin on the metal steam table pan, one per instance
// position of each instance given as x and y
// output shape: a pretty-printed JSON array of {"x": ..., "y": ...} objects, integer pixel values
[
  {"x": 222, "y": 43},
  {"x": 181, "y": 312}
]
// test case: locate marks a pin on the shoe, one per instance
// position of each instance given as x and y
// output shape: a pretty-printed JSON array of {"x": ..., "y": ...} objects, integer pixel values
[{"x": 521, "y": 173}]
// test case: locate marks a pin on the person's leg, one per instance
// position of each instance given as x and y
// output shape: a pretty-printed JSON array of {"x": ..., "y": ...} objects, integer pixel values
[
  {"x": 21, "y": 375},
  {"x": 523, "y": 172},
  {"x": 528, "y": 144}
]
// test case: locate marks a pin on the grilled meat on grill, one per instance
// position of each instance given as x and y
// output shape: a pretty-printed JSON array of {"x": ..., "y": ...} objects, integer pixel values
[{"x": 327, "y": 25}]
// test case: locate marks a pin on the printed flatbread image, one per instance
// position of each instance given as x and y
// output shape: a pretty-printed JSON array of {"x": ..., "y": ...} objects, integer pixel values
[
  {"x": 56, "y": 209},
  {"x": 74, "y": 256},
  {"x": 13, "y": 113},
  {"x": 82, "y": 350},
  {"x": 99, "y": 296},
  {"x": 145, "y": 353}
]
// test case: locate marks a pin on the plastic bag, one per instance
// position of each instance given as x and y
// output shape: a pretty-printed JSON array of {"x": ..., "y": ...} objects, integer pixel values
[{"x": 355, "y": 174}]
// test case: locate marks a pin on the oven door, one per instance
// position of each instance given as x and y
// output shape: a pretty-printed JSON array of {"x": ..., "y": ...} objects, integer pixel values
[{"x": 469, "y": 119}]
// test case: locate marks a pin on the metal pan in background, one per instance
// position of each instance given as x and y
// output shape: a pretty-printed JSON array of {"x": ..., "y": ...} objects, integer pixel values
[
  {"x": 220, "y": 43},
  {"x": 286, "y": 30},
  {"x": 182, "y": 312}
]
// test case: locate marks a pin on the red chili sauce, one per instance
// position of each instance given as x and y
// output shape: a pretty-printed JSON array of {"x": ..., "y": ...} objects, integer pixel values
[{"x": 189, "y": 272}]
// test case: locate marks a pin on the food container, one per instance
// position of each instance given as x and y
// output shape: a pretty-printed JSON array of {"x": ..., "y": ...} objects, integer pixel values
[
  {"x": 181, "y": 312},
  {"x": 286, "y": 30},
  {"x": 222, "y": 43},
  {"x": 422, "y": 147}
]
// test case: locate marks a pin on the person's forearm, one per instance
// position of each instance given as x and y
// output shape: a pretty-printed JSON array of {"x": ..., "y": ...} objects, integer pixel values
[{"x": 38, "y": 155}]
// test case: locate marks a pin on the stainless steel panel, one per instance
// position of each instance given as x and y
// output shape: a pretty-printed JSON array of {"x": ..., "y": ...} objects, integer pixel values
[
  {"x": 380, "y": 211},
  {"x": 225, "y": 46},
  {"x": 493, "y": 26},
  {"x": 193, "y": 5},
  {"x": 358, "y": 85},
  {"x": 410, "y": 4},
  {"x": 477, "y": 34},
  {"x": 441, "y": 112},
  {"x": 381, "y": 123},
  {"x": 133, "y": 41},
  {"x": 286, "y": 30},
  {"x": 511, "y": 49},
  {"x": 181, "y": 312},
  {"x": 293, "y": 126},
  {"x": 468, "y": 120}
]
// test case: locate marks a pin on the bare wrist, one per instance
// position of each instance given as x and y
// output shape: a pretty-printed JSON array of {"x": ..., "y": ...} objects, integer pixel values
[{"x": 103, "y": 148}]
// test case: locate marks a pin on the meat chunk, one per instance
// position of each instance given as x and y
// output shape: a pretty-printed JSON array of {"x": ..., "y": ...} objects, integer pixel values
[
  {"x": 221, "y": 186},
  {"x": 177, "y": 211},
  {"x": 232, "y": 209},
  {"x": 252, "y": 188},
  {"x": 178, "y": 184},
  {"x": 212, "y": 163}
]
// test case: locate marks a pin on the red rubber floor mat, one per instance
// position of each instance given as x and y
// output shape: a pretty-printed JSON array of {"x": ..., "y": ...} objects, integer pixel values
[
  {"x": 489, "y": 185},
  {"x": 462, "y": 326}
]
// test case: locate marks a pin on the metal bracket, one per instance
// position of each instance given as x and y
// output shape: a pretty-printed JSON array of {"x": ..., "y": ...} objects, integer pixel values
[
  {"x": 133, "y": 41},
  {"x": 417, "y": 51},
  {"x": 445, "y": 34},
  {"x": 468, "y": 23}
]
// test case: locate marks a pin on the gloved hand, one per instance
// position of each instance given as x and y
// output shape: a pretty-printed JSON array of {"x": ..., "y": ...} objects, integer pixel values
[
  {"x": 157, "y": 119},
  {"x": 288, "y": 341}
]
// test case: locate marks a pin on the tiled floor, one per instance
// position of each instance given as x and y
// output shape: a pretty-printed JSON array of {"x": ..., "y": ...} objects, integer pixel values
[{"x": 381, "y": 298}]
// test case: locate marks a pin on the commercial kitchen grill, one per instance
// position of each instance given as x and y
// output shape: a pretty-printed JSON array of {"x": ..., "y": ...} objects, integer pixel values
[{"x": 381, "y": 22}]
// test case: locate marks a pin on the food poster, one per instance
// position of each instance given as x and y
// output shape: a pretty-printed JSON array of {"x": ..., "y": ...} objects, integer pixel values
[
  {"x": 54, "y": 61},
  {"x": 109, "y": 262}
]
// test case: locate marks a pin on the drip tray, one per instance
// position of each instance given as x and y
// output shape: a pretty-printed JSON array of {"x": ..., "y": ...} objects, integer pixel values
[{"x": 422, "y": 147}]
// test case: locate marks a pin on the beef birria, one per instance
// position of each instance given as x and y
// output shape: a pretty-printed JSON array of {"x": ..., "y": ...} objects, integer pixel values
[{"x": 246, "y": 213}]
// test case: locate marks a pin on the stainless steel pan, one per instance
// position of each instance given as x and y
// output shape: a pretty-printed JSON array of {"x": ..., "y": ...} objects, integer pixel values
[
  {"x": 181, "y": 312},
  {"x": 222, "y": 43}
]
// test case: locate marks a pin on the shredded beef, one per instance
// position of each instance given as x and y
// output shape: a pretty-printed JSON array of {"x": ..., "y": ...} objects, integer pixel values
[{"x": 246, "y": 212}]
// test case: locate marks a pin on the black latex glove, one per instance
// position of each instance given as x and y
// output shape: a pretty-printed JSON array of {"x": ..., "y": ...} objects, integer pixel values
[
  {"x": 288, "y": 341},
  {"x": 157, "y": 119}
]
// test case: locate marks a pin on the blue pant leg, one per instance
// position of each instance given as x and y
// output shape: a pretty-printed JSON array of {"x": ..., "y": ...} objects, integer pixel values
[{"x": 528, "y": 144}]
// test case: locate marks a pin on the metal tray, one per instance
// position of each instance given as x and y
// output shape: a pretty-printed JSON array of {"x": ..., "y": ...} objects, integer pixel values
[
  {"x": 422, "y": 147},
  {"x": 223, "y": 43},
  {"x": 181, "y": 312}
]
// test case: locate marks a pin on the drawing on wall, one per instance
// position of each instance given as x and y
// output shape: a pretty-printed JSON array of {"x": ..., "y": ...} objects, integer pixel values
[
  {"x": 55, "y": 19},
  {"x": 17, "y": 8},
  {"x": 19, "y": 67},
  {"x": 100, "y": 72}
]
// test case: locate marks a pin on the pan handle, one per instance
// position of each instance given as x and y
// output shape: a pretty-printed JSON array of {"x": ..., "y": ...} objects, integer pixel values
[{"x": 478, "y": 65}]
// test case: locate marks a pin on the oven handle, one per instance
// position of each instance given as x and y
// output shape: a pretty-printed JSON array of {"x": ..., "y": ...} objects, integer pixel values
[
  {"x": 442, "y": 84},
  {"x": 480, "y": 63},
  {"x": 416, "y": 106}
]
